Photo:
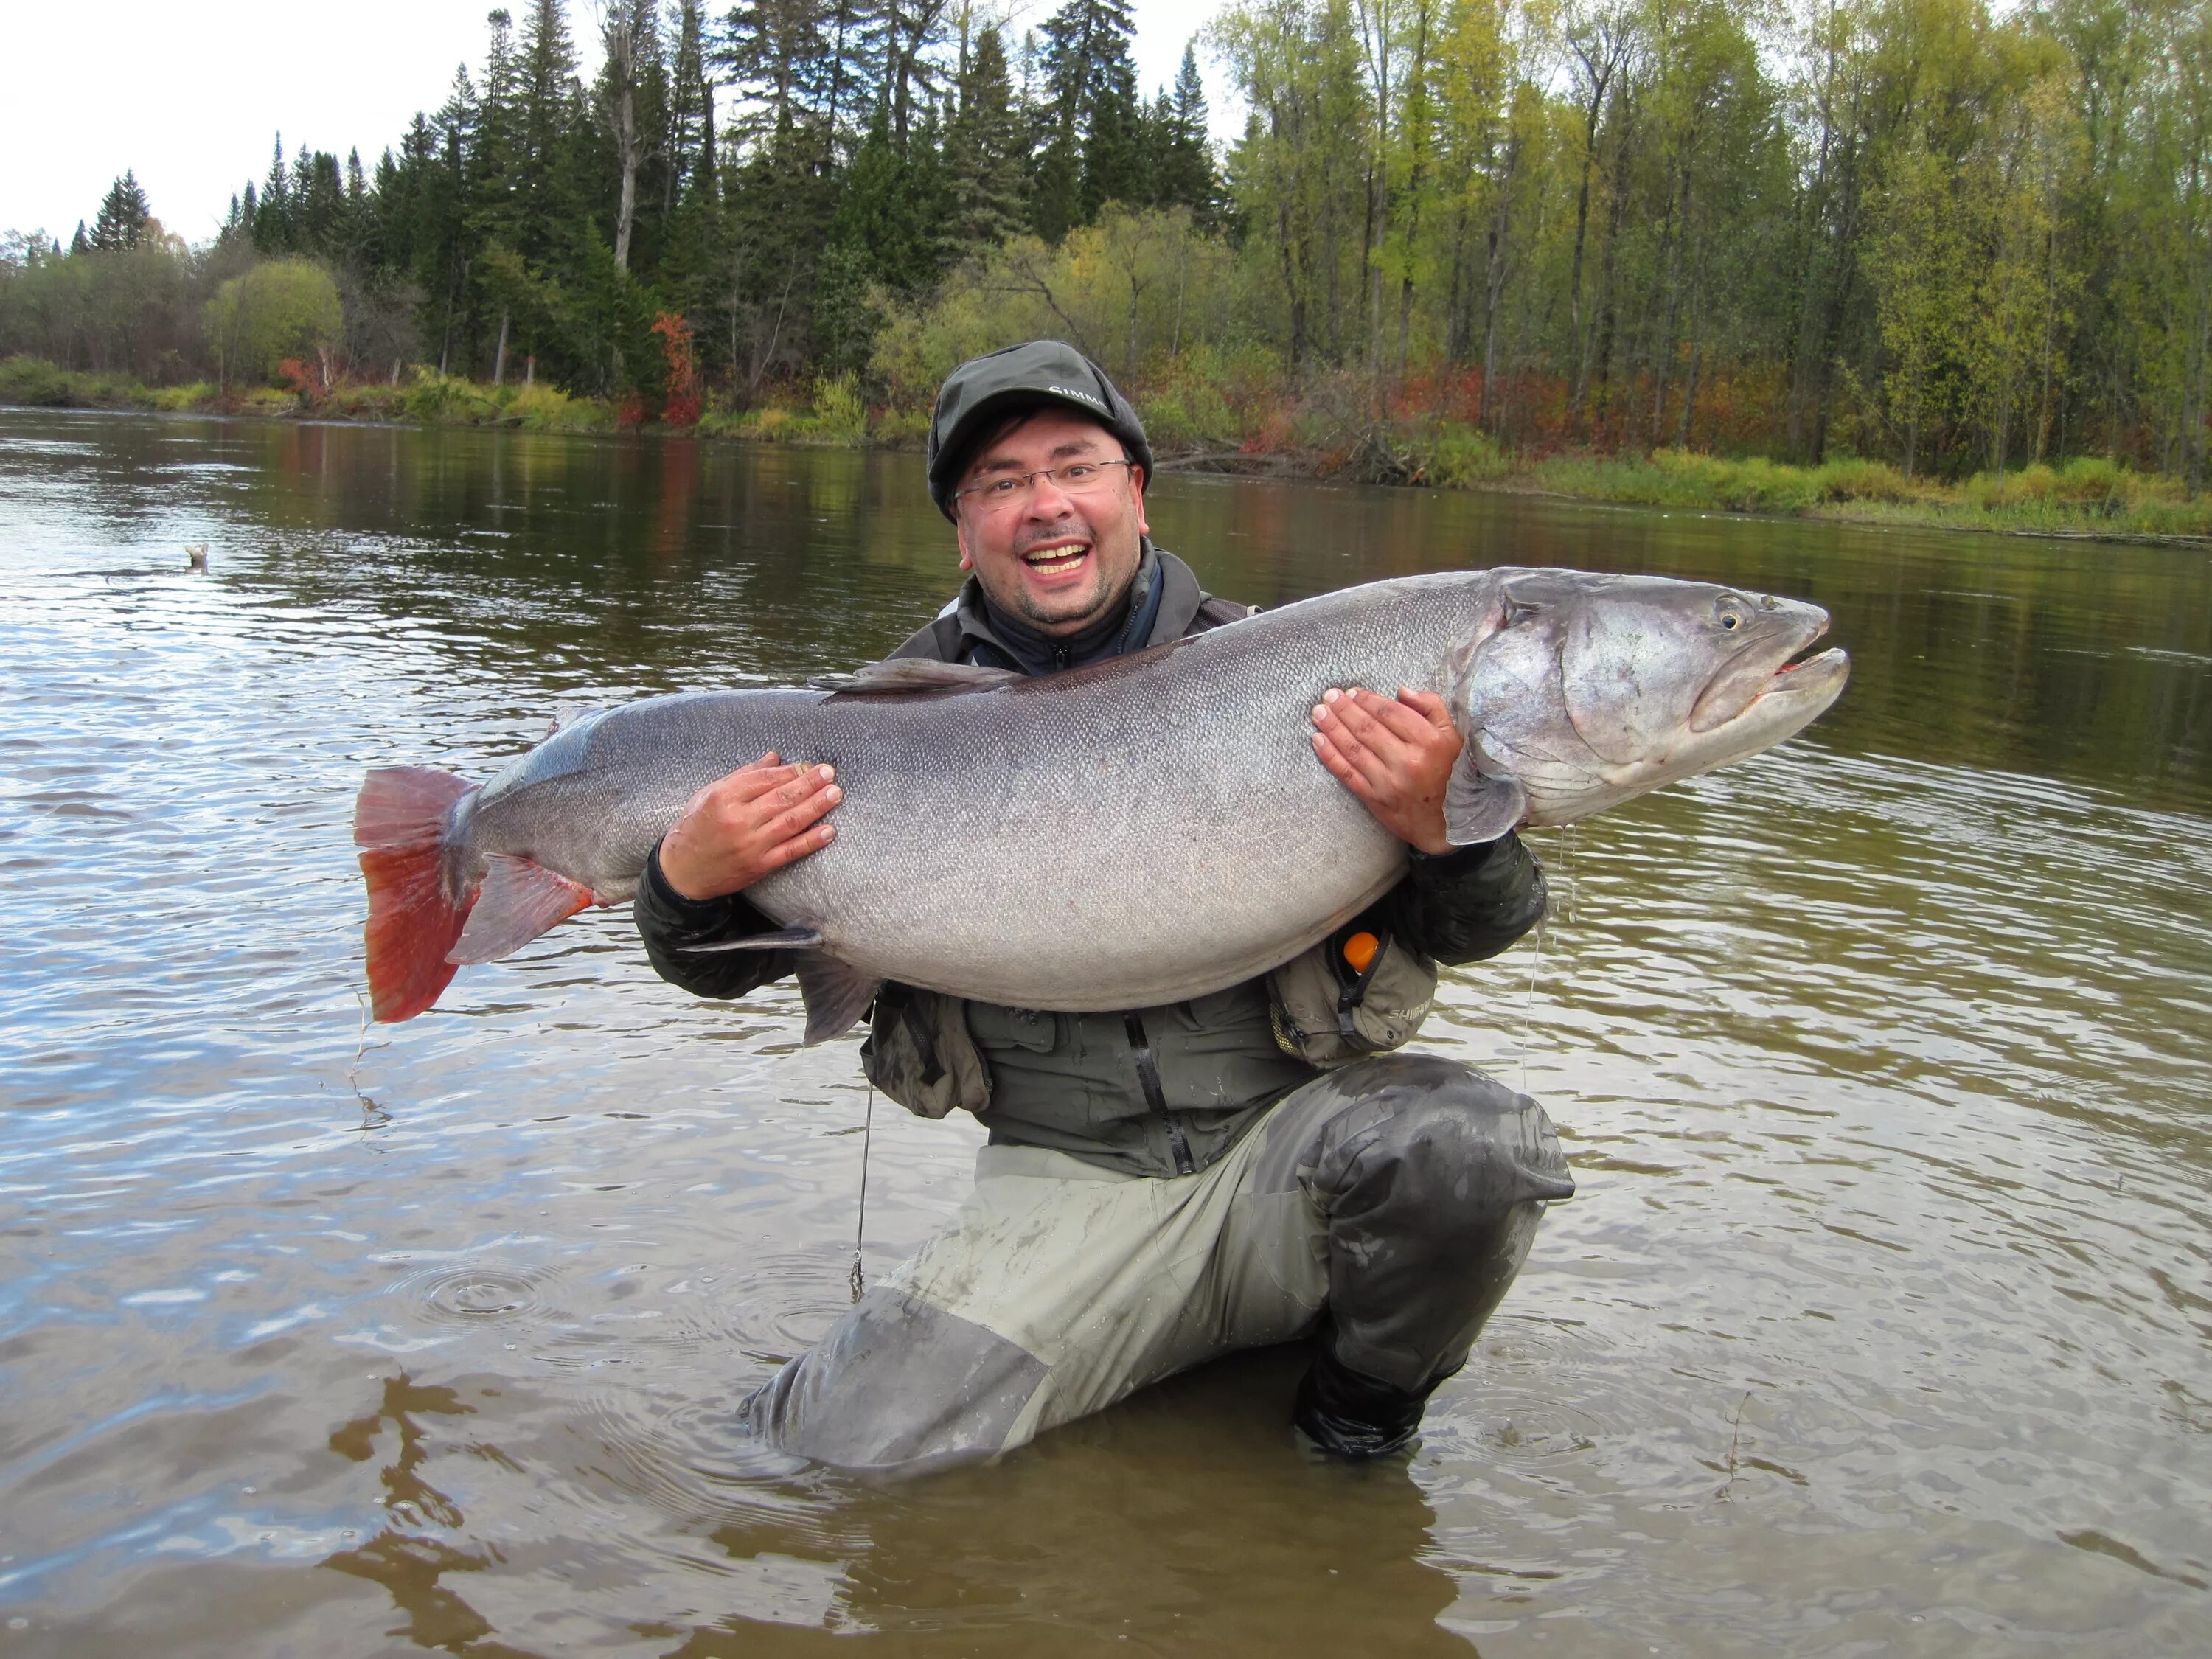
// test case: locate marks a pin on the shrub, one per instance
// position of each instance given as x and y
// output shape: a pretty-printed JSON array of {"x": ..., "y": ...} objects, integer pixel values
[
  {"x": 198, "y": 394},
  {"x": 839, "y": 417},
  {"x": 2092, "y": 481},
  {"x": 439, "y": 399},
  {"x": 32, "y": 381},
  {"x": 901, "y": 429},
  {"x": 540, "y": 407},
  {"x": 1457, "y": 455},
  {"x": 1854, "y": 480}
]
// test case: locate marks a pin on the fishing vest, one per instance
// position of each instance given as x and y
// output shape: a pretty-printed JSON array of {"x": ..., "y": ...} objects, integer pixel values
[{"x": 1158, "y": 1090}]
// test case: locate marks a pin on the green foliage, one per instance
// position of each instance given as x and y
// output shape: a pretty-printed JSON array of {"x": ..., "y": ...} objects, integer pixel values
[
  {"x": 1459, "y": 457},
  {"x": 438, "y": 399},
  {"x": 123, "y": 217},
  {"x": 1961, "y": 238},
  {"x": 839, "y": 414},
  {"x": 285, "y": 309},
  {"x": 33, "y": 382},
  {"x": 1133, "y": 288}
]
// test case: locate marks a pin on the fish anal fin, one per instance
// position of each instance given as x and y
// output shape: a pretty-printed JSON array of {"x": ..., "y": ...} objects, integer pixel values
[
  {"x": 836, "y": 995},
  {"x": 908, "y": 676},
  {"x": 1478, "y": 808},
  {"x": 519, "y": 900}
]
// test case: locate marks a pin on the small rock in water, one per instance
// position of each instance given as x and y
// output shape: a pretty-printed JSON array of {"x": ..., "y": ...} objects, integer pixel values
[{"x": 196, "y": 556}]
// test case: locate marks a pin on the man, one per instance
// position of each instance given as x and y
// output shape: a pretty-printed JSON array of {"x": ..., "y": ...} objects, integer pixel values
[{"x": 1161, "y": 1185}]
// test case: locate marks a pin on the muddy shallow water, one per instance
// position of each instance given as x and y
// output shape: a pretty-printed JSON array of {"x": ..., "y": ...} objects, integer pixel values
[{"x": 1880, "y": 1322}]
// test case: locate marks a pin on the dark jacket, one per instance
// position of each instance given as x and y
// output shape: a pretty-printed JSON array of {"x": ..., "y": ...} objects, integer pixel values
[{"x": 1152, "y": 1090}]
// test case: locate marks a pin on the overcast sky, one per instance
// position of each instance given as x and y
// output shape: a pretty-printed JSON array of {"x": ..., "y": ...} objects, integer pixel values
[{"x": 192, "y": 97}]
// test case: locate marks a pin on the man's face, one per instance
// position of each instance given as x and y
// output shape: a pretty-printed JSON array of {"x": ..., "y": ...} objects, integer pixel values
[{"x": 1056, "y": 560}]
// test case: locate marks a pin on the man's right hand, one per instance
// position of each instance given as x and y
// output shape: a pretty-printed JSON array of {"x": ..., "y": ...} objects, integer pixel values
[{"x": 748, "y": 825}]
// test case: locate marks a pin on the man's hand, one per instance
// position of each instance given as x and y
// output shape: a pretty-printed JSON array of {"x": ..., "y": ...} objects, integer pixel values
[
  {"x": 1396, "y": 756},
  {"x": 748, "y": 825}
]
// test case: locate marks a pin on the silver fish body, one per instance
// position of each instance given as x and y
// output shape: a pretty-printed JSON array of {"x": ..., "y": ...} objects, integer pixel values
[{"x": 1156, "y": 827}]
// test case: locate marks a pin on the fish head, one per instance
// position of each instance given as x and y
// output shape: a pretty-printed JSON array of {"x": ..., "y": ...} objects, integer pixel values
[{"x": 1589, "y": 691}]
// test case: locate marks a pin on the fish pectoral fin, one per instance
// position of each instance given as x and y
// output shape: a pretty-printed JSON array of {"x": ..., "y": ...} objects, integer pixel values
[
  {"x": 1478, "y": 808},
  {"x": 784, "y": 938},
  {"x": 836, "y": 995},
  {"x": 913, "y": 676},
  {"x": 519, "y": 900}
]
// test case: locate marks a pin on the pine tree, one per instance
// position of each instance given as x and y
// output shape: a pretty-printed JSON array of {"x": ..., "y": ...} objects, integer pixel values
[{"x": 123, "y": 216}]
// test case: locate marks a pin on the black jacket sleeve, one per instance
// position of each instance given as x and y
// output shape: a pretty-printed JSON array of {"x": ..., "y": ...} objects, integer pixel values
[
  {"x": 667, "y": 921},
  {"x": 1465, "y": 905}
]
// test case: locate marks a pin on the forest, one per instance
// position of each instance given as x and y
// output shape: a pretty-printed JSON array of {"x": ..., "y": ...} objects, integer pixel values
[{"x": 1943, "y": 236}]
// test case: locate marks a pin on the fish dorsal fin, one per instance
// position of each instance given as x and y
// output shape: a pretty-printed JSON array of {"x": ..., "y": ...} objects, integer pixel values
[
  {"x": 1478, "y": 808},
  {"x": 518, "y": 901},
  {"x": 907, "y": 677},
  {"x": 836, "y": 995},
  {"x": 566, "y": 714}
]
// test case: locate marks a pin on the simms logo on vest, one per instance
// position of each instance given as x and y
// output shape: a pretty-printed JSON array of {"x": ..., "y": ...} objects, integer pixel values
[{"x": 1090, "y": 398}]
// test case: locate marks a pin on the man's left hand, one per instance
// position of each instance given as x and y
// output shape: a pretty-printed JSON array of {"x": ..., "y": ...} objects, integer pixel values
[{"x": 1396, "y": 754}]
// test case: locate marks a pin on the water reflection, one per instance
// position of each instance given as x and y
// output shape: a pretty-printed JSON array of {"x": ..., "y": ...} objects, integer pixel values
[{"x": 1879, "y": 1322}]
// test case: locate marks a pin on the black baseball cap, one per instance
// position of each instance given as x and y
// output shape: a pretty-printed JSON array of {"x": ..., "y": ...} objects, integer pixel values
[{"x": 1037, "y": 375}]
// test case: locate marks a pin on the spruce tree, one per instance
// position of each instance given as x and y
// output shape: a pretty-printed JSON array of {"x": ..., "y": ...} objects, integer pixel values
[
  {"x": 123, "y": 216},
  {"x": 1187, "y": 176},
  {"x": 543, "y": 164},
  {"x": 272, "y": 214},
  {"x": 986, "y": 150},
  {"x": 1092, "y": 118}
]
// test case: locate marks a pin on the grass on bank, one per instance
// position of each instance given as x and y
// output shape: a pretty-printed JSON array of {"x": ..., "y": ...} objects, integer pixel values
[
  {"x": 2088, "y": 495},
  {"x": 1196, "y": 420}
]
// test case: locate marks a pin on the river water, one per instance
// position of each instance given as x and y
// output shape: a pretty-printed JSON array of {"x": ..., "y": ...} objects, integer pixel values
[{"x": 1880, "y": 1322}]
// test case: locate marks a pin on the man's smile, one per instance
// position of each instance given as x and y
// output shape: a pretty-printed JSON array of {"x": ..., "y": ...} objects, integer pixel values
[{"x": 1065, "y": 555}]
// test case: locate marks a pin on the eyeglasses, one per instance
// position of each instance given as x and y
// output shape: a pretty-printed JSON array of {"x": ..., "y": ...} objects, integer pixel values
[{"x": 1011, "y": 490}]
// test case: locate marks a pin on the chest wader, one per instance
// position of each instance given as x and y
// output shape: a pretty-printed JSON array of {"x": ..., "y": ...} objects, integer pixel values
[{"x": 1383, "y": 1205}]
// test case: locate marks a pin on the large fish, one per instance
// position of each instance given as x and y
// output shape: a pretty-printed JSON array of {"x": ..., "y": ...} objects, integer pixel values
[{"x": 1136, "y": 833}]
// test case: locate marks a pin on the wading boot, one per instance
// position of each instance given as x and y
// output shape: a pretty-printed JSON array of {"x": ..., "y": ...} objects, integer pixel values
[{"x": 1349, "y": 1415}]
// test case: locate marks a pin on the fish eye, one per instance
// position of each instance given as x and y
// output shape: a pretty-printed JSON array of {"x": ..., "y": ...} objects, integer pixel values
[{"x": 1731, "y": 620}]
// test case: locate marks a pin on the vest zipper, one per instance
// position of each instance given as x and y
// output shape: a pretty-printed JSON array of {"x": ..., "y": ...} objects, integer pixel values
[{"x": 1148, "y": 1075}]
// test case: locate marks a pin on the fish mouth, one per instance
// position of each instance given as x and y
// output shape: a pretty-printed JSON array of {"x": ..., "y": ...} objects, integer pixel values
[
  {"x": 1772, "y": 667},
  {"x": 1783, "y": 703},
  {"x": 1823, "y": 673}
]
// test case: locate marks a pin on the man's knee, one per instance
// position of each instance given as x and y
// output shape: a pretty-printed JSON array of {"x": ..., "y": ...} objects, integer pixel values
[
  {"x": 1452, "y": 1139},
  {"x": 898, "y": 1387},
  {"x": 1419, "y": 1135}
]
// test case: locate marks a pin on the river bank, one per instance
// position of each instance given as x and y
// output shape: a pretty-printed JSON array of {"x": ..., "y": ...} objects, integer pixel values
[{"x": 2088, "y": 497}]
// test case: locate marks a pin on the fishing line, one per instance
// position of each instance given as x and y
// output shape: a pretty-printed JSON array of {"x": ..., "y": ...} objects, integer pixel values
[
  {"x": 1562, "y": 860},
  {"x": 859, "y": 1226},
  {"x": 1528, "y": 997}
]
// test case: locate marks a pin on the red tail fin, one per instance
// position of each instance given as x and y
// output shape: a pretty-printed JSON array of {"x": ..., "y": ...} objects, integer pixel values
[{"x": 399, "y": 823}]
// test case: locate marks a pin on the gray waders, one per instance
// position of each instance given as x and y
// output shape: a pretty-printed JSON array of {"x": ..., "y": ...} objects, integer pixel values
[{"x": 1388, "y": 1205}]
